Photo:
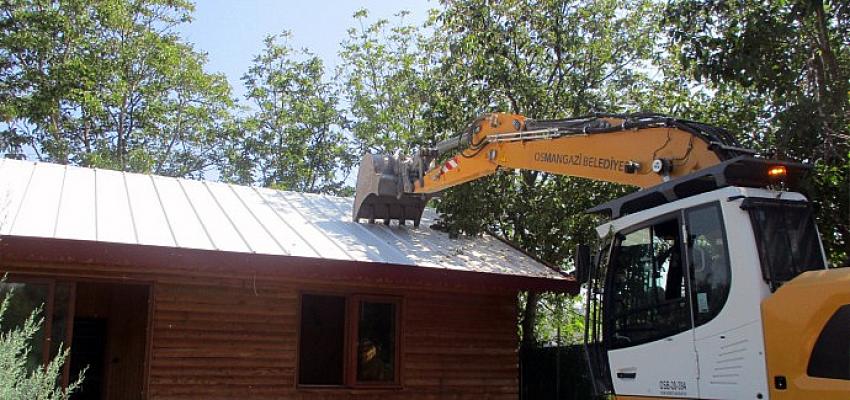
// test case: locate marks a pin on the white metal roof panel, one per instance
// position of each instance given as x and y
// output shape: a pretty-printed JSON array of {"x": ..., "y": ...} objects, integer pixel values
[
  {"x": 188, "y": 230},
  {"x": 76, "y": 217},
  {"x": 318, "y": 241},
  {"x": 14, "y": 180},
  {"x": 216, "y": 223},
  {"x": 150, "y": 225},
  {"x": 52, "y": 201},
  {"x": 246, "y": 224},
  {"x": 288, "y": 239},
  {"x": 114, "y": 216},
  {"x": 39, "y": 210}
]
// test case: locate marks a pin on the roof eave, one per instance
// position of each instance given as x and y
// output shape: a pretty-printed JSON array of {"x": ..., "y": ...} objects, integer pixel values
[{"x": 152, "y": 261}]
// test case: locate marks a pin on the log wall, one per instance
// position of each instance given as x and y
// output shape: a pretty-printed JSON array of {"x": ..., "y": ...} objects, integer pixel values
[
  {"x": 220, "y": 342},
  {"x": 233, "y": 334}
]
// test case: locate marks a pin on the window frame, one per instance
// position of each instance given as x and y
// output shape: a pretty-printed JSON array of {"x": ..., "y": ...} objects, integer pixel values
[
  {"x": 345, "y": 349},
  {"x": 353, "y": 316},
  {"x": 351, "y": 320},
  {"x": 679, "y": 217}
]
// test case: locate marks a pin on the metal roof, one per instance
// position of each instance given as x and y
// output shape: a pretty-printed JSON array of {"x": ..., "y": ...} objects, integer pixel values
[{"x": 66, "y": 202}]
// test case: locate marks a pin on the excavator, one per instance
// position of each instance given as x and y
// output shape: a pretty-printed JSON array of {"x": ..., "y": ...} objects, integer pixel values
[{"x": 709, "y": 282}]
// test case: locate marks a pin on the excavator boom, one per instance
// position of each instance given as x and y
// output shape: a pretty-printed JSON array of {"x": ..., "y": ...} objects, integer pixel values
[{"x": 641, "y": 150}]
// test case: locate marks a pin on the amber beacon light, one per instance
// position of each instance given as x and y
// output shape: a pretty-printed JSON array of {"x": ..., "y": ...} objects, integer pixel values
[{"x": 778, "y": 171}]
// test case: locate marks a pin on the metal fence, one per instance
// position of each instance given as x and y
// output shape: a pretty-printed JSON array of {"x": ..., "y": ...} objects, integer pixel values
[{"x": 554, "y": 373}]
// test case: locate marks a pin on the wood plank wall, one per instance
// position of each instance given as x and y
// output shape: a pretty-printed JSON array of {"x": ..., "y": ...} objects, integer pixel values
[{"x": 219, "y": 337}]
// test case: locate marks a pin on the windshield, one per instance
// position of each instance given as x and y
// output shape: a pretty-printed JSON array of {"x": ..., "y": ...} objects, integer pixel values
[{"x": 786, "y": 238}]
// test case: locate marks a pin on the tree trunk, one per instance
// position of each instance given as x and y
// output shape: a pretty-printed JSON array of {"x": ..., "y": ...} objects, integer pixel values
[
  {"x": 830, "y": 63},
  {"x": 529, "y": 316},
  {"x": 122, "y": 141},
  {"x": 61, "y": 155},
  {"x": 835, "y": 84}
]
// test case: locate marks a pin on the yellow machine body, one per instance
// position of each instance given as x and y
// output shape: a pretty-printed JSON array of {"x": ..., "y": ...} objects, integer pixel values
[{"x": 794, "y": 318}]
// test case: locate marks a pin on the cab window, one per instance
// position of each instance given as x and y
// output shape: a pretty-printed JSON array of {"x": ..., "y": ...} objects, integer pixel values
[
  {"x": 709, "y": 261},
  {"x": 649, "y": 299},
  {"x": 786, "y": 238}
]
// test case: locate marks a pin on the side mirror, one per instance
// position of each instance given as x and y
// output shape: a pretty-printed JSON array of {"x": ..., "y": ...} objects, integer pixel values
[{"x": 583, "y": 263}]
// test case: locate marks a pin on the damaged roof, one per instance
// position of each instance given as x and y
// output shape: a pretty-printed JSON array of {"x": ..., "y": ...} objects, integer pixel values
[{"x": 65, "y": 202}]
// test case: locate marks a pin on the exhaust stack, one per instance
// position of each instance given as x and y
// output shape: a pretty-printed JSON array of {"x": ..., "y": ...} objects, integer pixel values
[{"x": 383, "y": 190}]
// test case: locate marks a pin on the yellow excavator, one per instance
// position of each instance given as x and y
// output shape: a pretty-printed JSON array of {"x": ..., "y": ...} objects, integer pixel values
[{"x": 710, "y": 282}]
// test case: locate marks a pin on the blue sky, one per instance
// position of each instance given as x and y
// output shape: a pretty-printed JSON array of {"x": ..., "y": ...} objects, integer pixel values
[{"x": 232, "y": 31}]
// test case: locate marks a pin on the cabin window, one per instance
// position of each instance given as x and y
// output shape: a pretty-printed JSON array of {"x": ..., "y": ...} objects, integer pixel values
[
  {"x": 648, "y": 299},
  {"x": 322, "y": 340},
  {"x": 24, "y": 298},
  {"x": 831, "y": 354},
  {"x": 348, "y": 340},
  {"x": 53, "y": 301},
  {"x": 709, "y": 261}
]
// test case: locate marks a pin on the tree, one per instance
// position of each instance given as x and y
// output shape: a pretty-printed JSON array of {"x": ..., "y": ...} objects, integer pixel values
[
  {"x": 792, "y": 60},
  {"x": 561, "y": 319},
  {"x": 108, "y": 84},
  {"x": 411, "y": 86},
  {"x": 293, "y": 133},
  {"x": 387, "y": 74},
  {"x": 544, "y": 59}
]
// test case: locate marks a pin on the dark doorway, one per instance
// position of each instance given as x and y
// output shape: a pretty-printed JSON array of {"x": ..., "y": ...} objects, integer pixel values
[
  {"x": 110, "y": 339},
  {"x": 88, "y": 351}
]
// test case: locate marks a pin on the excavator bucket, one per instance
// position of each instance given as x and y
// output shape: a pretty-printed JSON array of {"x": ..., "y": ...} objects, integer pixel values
[{"x": 380, "y": 192}]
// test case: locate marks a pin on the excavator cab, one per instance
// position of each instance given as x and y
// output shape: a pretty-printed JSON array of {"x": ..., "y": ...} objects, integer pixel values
[{"x": 703, "y": 269}]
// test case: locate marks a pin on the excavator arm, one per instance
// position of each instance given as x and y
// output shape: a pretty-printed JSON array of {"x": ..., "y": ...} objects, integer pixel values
[{"x": 641, "y": 150}]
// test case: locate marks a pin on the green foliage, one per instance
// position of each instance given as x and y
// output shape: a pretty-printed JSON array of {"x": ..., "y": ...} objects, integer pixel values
[
  {"x": 387, "y": 74},
  {"x": 785, "y": 66},
  {"x": 18, "y": 381},
  {"x": 294, "y": 130},
  {"x": 544, "y": 59},
  {"x": 106, "y": 84},
  {"x": 560, "y": 320}
]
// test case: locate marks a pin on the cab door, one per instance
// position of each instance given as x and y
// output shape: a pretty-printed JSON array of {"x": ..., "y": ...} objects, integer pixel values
[{"x": 649, "y": 320}]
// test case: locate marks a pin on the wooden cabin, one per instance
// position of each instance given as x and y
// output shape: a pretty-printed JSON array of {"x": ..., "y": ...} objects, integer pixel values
[{"x": 175, "y": 289}]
